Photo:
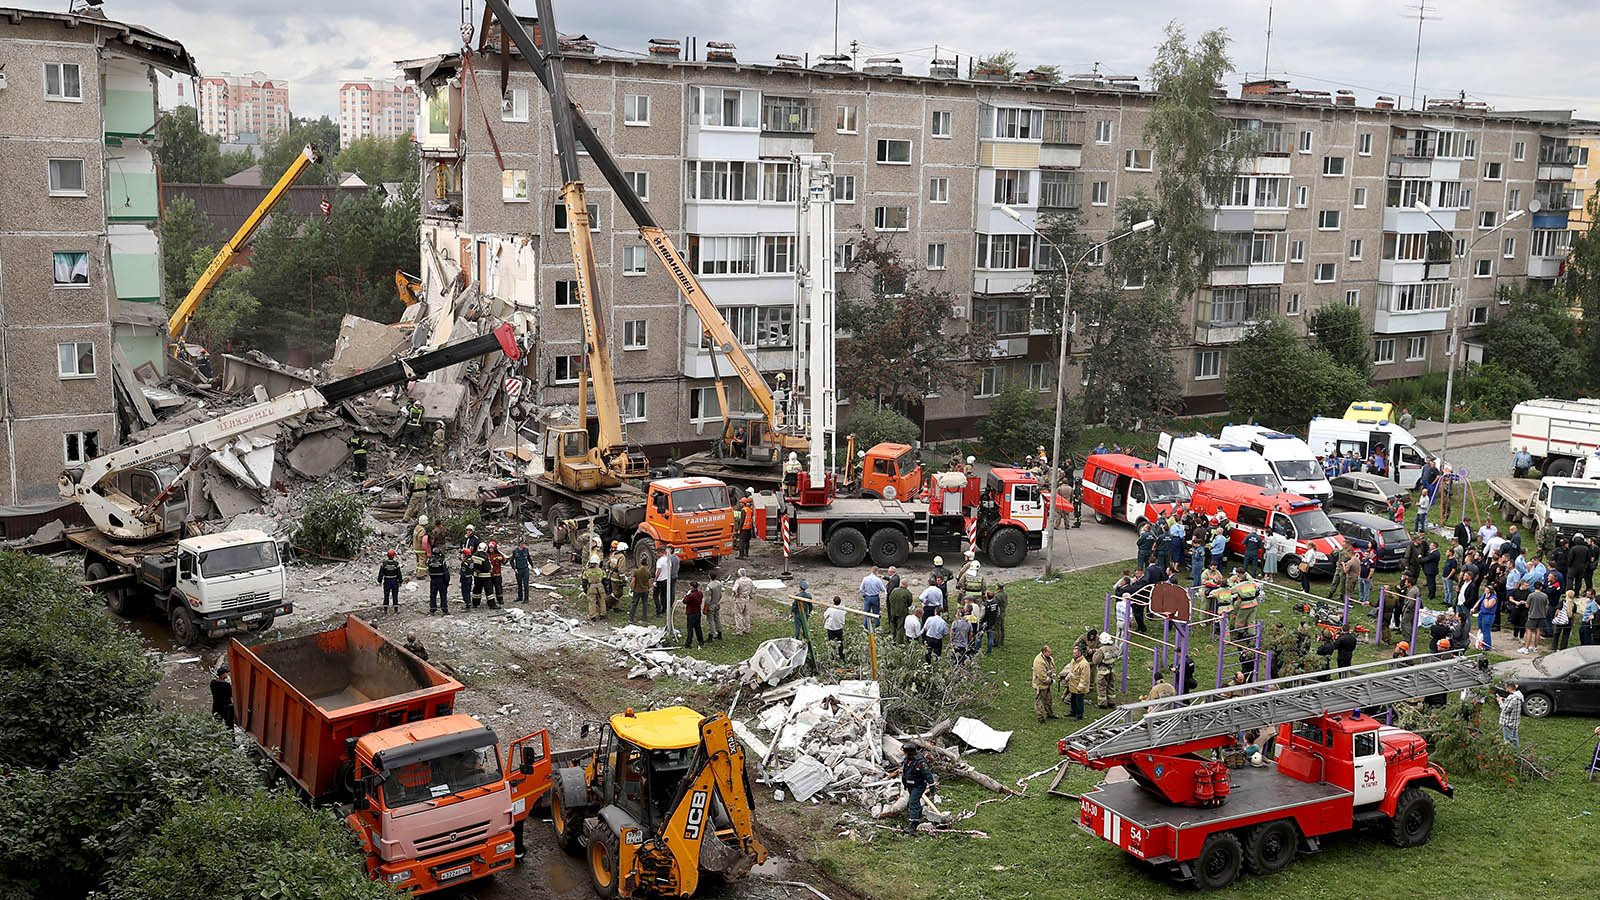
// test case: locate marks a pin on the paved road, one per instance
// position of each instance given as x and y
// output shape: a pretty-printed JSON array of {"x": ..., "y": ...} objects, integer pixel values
[{"x": 1480, "y": 447}]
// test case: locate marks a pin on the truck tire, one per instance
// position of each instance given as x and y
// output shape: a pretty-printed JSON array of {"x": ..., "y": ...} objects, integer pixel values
[
  {"x": 557, "y": 512},
  {"x": 119, "y": 599},
  {"x": 1559, "y": 468},
  {"x": 567, "y": 820},
  {"x": 644, "y": 552},
  {"x": 1537, "y": 705},
  {"x": 603, "y": 867},
  {"x": 185, "y": 629},
  {"x": 1413, "y": 819},
  {"x": 889, "y": 546},
  {"x": 1100, "y": 518},
  {"x": 1271, "y": 846},
  {"x": 847, "y": 547},
  {"x": 1507, "y": 511},
  {"x": 1219, "y": 862},
  {"x": 1286, "y": 566},
  {"x": 1008, "y": 547}
]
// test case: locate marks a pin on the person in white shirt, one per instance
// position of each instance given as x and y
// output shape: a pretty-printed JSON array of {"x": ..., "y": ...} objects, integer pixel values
[
  {"x": 913, "y": 625},
  {"x": 932, "y": 602},
  {"x": 1486, "y": 532},
  {"x": 934, "y": 630},
  {"x": 833, "y": 621}
]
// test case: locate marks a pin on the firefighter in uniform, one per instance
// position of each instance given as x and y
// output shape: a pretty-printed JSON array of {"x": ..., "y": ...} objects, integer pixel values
[
  {"x": 497, "y": 561},
  {"x": 358, "y": 456},
  {"x": 1105, "y": 664},
  {"x": 418, "y": 504},
  {"x": 744, "y": 522},
  {"x": 438, "y": 583},
  {"x": 791, "y": 473},
  {"x": 480, "y": 574},
  {"x": 918, "y": 778},
  {"x": 413, "y": 435},
  {"x": 972, "y": 583},
  {"x": 419, "y": 545},
  {"x": 617, "y": 573},
  {"x": 594, "y": 588},
  {"x": 438, "y": 445},
  {"x": 389, "y": 579}
]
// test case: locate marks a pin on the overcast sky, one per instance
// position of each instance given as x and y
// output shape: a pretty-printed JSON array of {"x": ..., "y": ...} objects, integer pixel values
[{"x": 1511, "y": 54}]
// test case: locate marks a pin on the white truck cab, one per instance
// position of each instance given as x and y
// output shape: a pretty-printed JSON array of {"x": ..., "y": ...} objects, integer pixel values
[
  {"x": 1405, "y": 456},
  {"x": 226, "y": 583},
  {"x": 1199, "y": 457},
  {"x": 1290, "y": 457}
]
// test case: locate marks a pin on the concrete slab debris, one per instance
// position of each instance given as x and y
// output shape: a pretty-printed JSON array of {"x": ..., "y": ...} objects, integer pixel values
[
  {"x": 364, "y": 344},
  {"x": 441, "y": 402},
  {"x": 775, "y": 660},
  {"x": 976, "y": 734},
  {"x": 769, "y": 584},
  {"x": 230, "y": 499},
  {"x": 319, "y": 454},
  {"x": 806, "y": 777}
]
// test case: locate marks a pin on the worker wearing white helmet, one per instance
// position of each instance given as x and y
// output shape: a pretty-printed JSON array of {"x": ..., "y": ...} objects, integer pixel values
[
  {"x": 617, "y": 574},
  {"x": 970, "y": 580},
  {"x": 1104, "y": 665},
  {"x": 941, "y": 577},
  {"x": 791, "y": 473},
  {"x": 482, "y": 570},
  {"x": 419, "y": 544},
  {"x": 420, "y": 485},
  {"x": 594, "y": 588}
]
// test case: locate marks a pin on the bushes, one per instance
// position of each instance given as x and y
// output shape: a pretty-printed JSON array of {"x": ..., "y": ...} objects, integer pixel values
[
  {"x": 877, "y": 426},
  {"x": 1275, "y": 378},
  {"x": 333, "y": 524},
  {"x": 917, "y": 694},
  {"x": 1015, "y": 425},
  {"x": 65, "y": 667}
]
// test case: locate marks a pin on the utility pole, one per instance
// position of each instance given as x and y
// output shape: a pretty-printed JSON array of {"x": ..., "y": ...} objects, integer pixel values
[{"x": 1266, "y": 64}]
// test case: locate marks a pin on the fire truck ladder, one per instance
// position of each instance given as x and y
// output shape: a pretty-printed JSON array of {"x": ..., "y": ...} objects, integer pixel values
[{"x": 1146, "y": 726}]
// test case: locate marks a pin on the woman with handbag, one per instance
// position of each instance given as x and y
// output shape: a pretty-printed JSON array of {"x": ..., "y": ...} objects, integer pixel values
[{"x": 1565, "y": 613}]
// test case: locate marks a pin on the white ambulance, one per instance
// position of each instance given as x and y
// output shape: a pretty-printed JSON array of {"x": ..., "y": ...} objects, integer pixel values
[
  {"x": 1200, "y": 457},
  {"x": 1290, "y": 457}
]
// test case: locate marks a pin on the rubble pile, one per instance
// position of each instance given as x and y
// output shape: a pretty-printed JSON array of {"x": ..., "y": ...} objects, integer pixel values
[{"x": 826, "y": 739}]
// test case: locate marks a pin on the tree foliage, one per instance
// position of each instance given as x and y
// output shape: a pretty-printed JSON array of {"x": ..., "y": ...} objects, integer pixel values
[
  {"x": 333, "y": 524},
  {"x": 1015, "y": 425},
  {"x": 877, "y": 426},
  {"x": 900, "y": 346},
  {"x": 1341, "y": 332},
  {"x": 1275, "y": 378},
  {"x": 225, "y": 311},
  {"x": 188, "y": 155},
  {"x": 185, "y": 230},
  {"x": 1538, "y": 339},
  {"x": 378, "y": 160},
  {"x": 1581, "y": 287},
  {"x": 1002, "y": 61},
  {"x": 65, "y": 667},
  {"x": 280, "y": 152}
]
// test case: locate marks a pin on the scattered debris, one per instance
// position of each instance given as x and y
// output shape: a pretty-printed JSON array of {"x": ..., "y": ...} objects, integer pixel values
[
  {"x": 976, "y": 734},
  {"x": 774, "y": 661}
]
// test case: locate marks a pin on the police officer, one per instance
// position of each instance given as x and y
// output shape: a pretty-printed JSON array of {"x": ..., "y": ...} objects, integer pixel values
[
  {"x": 358, "y": 456},
  {"x": 594, "y": 588},
  {"x": 522, "y": 565},
  {"x": 438, "y": 583},
  {"x": 918, "y": 778},
  {"x": 389, "y": 577}
]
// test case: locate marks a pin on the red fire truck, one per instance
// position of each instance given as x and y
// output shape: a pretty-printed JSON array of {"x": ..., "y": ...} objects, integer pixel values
[{"x": 1333, "y": 768}]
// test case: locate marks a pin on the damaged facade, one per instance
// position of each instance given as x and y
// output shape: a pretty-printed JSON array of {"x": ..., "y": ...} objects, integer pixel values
[{"x": 80, "y": 235}]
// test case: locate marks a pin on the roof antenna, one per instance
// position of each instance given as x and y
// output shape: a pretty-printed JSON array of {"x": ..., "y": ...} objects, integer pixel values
[
  {"x": 1422, "y": 8},
  {"x": 1266, "y": 63}
]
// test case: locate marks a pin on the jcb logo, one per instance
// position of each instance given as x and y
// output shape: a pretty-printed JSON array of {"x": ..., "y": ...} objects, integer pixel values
[{"x": 697, "y": 815}]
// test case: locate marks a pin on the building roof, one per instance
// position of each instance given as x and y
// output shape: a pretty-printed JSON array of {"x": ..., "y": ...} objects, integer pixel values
[
  {"x": 227, "y": 205},
  {"x": 148, "y": 45}
]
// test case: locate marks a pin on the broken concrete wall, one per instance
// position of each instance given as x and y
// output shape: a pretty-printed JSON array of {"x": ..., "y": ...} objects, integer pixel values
[{"x": 364, "y": 344}]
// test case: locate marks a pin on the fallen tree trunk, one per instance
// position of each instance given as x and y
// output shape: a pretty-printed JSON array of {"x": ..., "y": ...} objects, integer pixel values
[{"x": 953, "y": 760}]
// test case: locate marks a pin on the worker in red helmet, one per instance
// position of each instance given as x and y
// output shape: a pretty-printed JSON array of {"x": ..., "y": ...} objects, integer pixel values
[{"x": 389, "y": 576}]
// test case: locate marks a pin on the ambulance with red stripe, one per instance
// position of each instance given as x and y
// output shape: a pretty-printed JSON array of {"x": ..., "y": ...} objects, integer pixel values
[
  {"x": 1125, "y": 488},
  {"x": 1291, "y": 516}
]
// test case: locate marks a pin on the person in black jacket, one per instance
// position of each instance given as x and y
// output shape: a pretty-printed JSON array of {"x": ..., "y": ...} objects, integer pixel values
[
  {"x": 1464, "y": 532},
  {"x": 1577, "y": 562},
  {"x": 1430, "y": 567},
  {"x": 222, "y": 697},
  {"x": 389, "y": 576}
]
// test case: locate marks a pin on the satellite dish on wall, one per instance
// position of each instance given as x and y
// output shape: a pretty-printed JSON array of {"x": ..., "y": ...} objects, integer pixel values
[{"x": 1535, "y": 205}]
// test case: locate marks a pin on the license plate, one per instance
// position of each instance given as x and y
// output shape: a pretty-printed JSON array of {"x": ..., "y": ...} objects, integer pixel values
[
  {"x": 457, "y": 872},
  {"x": 252, "y": 617}
]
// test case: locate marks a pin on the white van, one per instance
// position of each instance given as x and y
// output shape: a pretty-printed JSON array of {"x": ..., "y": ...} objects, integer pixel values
[
  {"x": 1200, "y": 457},
  {"x": 1290, "y": 457},
  {"x": 1405, "y": 455}
]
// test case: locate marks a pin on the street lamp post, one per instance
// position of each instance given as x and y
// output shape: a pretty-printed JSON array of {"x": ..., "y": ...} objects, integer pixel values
[
  {"x": 1454, "y": 349},
  {"x": 1061, "y": 362}
]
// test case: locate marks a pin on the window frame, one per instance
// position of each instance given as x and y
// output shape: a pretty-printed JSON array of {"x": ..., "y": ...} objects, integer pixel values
[
  {"x": 847, "y": 115},
  {"x": 1108, "y": 129},
  {"x": 1498, "y": 170},
  {"x": 61, "y": 82},
  {"x": 994, "y": 376},
  {"x": 1297, "y": 251},
  {"x": 1483, "y": 268},
  {"x": 939, "y": 189},
  {"x": 51, "y": 166},
  {"x": 629, "y": 269},
  {"x": 1322, "y": 219},
  {"x": 636, "y": 334},
  {"x": 1306, "y": 141},
  {"x": 1316, "y": 273},
  {"x": 573, "y": 301},
  {"x": 640, "y": 182},
  {"x": 1488, "y": 218},
  {"x": 514, "y": 95},
  {"x": 1364, "y": 144},
  {"x": 560, "y": 210},
  {"x": 84, "y": 454},
  {"x": 508, "y": 188},
  {"x": 880, "y": 219},
  {"x": 1378, "y": 346},
  {"x": 1327, "y": 161},
  {"x": 88, "y": 264},
  {"x": 837, "y": 194},
  {"x": 1102, "y": 189},
  {"x": 946, "y": 116},
  {"x": 1359, "y": 198},
  {"x": 942, "y": 255},
  {"x": 77, "y": 355},
  {"x": 1294, "y": 304},
  {"x": 886, "y": 159},
  {"x": 1417, "y": 340},
  {"x": 574, "y": 368},
  {"x": 630, "y": 116},
  {"x": 1508, "y": 247},
  {"x": 1130, "y": 159},
  {"x": 1352, "y": 297},
  {"x": 1519, "y": 151},
  {"x": 1302, "y": 196},
  {"x": 1203, "y": 372},
  {"x": 1356, "y": 247},
  {"x": 624, "y": 399}
]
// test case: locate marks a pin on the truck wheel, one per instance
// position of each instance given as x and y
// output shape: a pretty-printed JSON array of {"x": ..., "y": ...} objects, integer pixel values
[
  {"x": 1559, "y": 468},
  {"x": 847, "y": 547},
  {"x": 1008, "y": 547},
  {"x": 1271, "y": 847},
  {"x": 185, "y": 630},
  {"x": 1413, "y": 819},
  {"x": 1100, "y": 519},
  {"x": 557, "y": 513},
  {"x": 1507, "y": 511},
  {"x": 603, "y": 867},
  {"x": 118, "y": 599},
  {"x": 644, "y": 552},
  {"x": 1219, "y": 862},
  {"x": 889, "y": 547},
  {"x": 1537, "y": 705},
  {"x": 1287, "y": 565}
]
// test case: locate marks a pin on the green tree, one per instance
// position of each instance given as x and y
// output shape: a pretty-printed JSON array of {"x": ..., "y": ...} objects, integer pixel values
[
  {"x": 1581, "y": 287},
  {"x": 1341, "y": 331},
  {"x": 1537, "y": 339},
  {"x": 1015, "y": 425},
  {"x": 877, "y": 426},
  {"x": 278, "y": 153},
  {"x": 1051, "y": 73},
  {"x": 1496, "y": 388},
  {"x": 187, "y": 154},
  {"x": 899, "y": 348},
  {"x": 1275, "y": 378},
  {"x": 378, "y": 160},
  {"x": 184, "y": 232},
  {"x": 1003, "y": 62},
  {"x": 225, "y": 311},
  {"x": 65, "y": 667}
]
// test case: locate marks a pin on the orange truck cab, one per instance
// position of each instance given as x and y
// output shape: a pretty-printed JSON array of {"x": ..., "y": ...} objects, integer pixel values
[
  {"x": 1124, "y": 488},
  {"x": 692, "y": 516},
  {"x": 1254, "y": 509},
  {"x": 891, "y": 471}
]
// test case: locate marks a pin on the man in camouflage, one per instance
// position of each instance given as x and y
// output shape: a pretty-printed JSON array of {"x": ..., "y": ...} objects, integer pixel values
[
  {"x": 617, "y": 573},
  {"x": 594, "y": 588}
]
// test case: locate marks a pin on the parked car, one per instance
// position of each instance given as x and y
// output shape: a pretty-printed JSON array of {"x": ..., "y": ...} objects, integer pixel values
[
  {"x": 1368, "y": 493},
  {"x": 1362, "y": 530},
  {"x": 1567, "y": 681}
]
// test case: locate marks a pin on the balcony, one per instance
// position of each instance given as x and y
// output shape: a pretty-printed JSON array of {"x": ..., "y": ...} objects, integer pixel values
[
  {"x": 788, "y": 116},
  {"x": 1229, "y": 313},
  {"x": 1556, "y": 159},
  {"x": 1011, "y": 348},
  {"x": 1064, "y": 126},
  {"x": 1413, "y": 221},
  {"x": 1413, "y": 307},
  {"x": 1060, "y": 191}
]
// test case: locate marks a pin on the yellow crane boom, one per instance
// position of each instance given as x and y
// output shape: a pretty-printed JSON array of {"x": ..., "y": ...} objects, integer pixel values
[{"x": 179, "y": 323}]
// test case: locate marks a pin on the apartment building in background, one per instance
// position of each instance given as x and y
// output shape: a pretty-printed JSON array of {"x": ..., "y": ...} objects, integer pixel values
[
  {"x": 249, "y": 109},
  {"x": 376, "y": 109},
  {"x": 80, "y": 235},
  {"x": 1325, "y": 213},
  {"x": 1582, "y": 187}
]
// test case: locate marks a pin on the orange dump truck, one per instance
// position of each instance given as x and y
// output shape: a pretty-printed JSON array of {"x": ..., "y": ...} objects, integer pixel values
[{"x": 354, "y": 718}]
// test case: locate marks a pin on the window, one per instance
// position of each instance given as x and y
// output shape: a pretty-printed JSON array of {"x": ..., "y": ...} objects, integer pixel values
[
  {"x": 1041, "y": 377},
  {"x": 66, "y": 178},
  {"x": 843, "y": 256},
  {"x": 844, "y": 188},
  {"x": 1009, "y": 123},
  {"x": 1582, "y": 159},
  {"x": 894, "y": 152},
  {"x": 566, "y": 294},
  {"x": 70, "y": 269},
  {"x": 1102, "y": 131},
  {"x": 1328, "y": 220},
  {"x": 711, "y": 107},
  {"x": 1461, "y": 247},
  {"x": 1137, "y": 160},
  {"x": 891, "y": 218},
  {"x": 1207, "y": 364},
  {"x": 1472, "y": 148},
  {"x": 1519, "y": 151},
  {"x": 989, "y": 380},
  {"x": 936, "y": 254},
  {"x": 1491, "y": 171},
  {"x": 1244, "y": 248},
  {"x": 1302, "y": 196},
  {"x": 561, "y": 216},
  {"x": 1291, "y": 307},
  {"x": 1099, "y": 193},
  {"x": 847, "y": 120},
  {"x": 722, "y": 180},
  {"x": 1508, "y": 247},
  {"x": 1237, "y": 305},
  {"x": 1004, "y": 251},
  {"x": 1325, "y": 272},
  {"x": 1488, "y": 219},
  {"x": 1403, "y": 193},
  {"x": 1383, "y": 351},
  {"x": 1011, "y": 186},
  {"x": 78, "y": 447},
  {"x": 1550, "y": 241},
  {"x": 633, "y": 260},
  {"x": 514, "y": 189},
  {"x": 723, "y": 255},
  {"x": 777, "y": 254},
  {"x": 1482, "y": 268},
  {"x": 1305, "y": 142},
  {"x": 1355, "y": 248},
  {"x": 1514, "y": 198},
  {"x": 1452, "y": 145},
  {"x": 1466, "y": 198},
  {"x": 1449, "y": 195},
  {"x": 568, "y": 367},
  {"x": 1297, "y": 251},
  {"x": 1416, "y": 348},
  {"x": 1333, "y": 165},
  {"x": 1478, "y": 315},
  {"x": 1097, "y": 255},
  {"x": 75, "y": 359},
  {"x": 938, "y": 190},
  {"x": 1005, "y": 315},
  {"x": 636, "y": 109},
  {"x": 777, "y": 182},
  {"x": 62, "y": 81},
  {"x": 1364, "y": 144},
  {"x": 1352, "y": 297},
  {"x": 640, "y": 182},
  {"x": 632, "y": 406},
  {"x": 1257, "y": 191},
  {"x": 514, "y": 105},
  {"x": 1060, "y": 190},
  {"x": 635, "y": 334},
  {"x": 940, "y": 126},
  {"x": 1360, "y": 201}
]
